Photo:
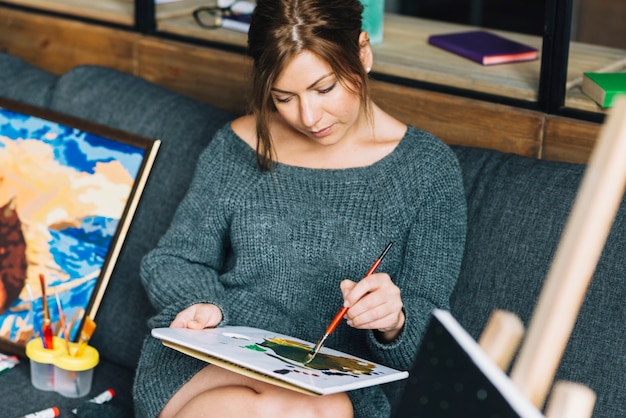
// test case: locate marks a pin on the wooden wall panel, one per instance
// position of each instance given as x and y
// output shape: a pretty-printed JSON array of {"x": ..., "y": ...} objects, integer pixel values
[
  {"x": 569, "y": 140},
  {"x": 57, "y": 44},
  {"x": 462, "y": 121},
  {"x": 213, "y": 76}
]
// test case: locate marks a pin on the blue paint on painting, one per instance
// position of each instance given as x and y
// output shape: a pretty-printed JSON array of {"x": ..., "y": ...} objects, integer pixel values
[
  {"x": 81, "y": 251},
  {"x": 72, "y": 147}
]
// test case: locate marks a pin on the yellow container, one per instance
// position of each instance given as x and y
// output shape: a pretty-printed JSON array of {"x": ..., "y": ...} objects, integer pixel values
[
  {"x": 42, "y": 362},
  {"x": 55, "y": 369},
  {"x": 73, "y": 375}
]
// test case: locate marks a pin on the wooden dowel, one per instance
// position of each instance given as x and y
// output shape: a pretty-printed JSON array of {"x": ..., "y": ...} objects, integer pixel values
[
  {"x": 579, "y": 249},
  {"x": 570, "y": 400},
  {"x": 501, "y": 337}
]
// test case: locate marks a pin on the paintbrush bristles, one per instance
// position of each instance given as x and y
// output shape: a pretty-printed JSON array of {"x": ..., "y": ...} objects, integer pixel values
[
  {"x": 316, "y": 349},
  {"x": 85, "y": 334}
]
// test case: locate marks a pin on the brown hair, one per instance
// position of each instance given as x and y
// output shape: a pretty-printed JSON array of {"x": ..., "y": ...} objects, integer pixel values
[{"x": 280, "y": 29}]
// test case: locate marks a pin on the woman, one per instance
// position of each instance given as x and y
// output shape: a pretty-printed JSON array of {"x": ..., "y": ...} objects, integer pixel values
[{"x": 289, "y": 207}]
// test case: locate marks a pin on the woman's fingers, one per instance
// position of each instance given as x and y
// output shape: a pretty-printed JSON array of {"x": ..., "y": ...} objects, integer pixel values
[{"x": 374, "y": 303}]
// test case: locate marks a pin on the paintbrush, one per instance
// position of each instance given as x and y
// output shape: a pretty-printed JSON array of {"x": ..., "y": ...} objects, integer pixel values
[
  {"x": 85, "y": 334},
  {"x": 66, "y": 333},
  {"x": 337, "y": 319},
  {"x": 46, "y": 328}
]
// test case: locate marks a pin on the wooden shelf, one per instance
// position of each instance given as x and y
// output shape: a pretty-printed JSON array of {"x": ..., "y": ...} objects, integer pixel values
[
  {"x": 405, "y": 53},
  {"x": 115, "y": 11},
  {"x": 185, "y": 25},
  {"x": 586, "y": 57}
]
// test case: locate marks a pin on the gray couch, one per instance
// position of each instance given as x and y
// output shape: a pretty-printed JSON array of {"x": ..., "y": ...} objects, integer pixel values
[{"x": 517, "y": 208}]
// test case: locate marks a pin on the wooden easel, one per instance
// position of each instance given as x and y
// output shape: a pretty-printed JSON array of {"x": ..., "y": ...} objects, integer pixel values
[{"x": 559, "y": 303}]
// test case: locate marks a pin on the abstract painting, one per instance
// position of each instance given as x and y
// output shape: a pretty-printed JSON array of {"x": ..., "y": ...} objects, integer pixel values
[{"x": 68, "y": 190}]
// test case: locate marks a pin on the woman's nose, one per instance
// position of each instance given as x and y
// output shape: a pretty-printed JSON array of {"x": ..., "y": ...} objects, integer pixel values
[{"x": 310, "y": 113}]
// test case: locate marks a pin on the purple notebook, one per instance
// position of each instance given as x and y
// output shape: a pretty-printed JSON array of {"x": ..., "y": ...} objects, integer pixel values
[{"x": 484, "y": 47}]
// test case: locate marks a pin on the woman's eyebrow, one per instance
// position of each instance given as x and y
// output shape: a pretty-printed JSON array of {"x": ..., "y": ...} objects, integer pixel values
[{"x": 315, "y": 83}]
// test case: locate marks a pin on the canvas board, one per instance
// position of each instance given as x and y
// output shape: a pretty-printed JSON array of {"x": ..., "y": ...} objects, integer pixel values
[
  {"x": 278, "y": 359},
  {"x": 453, "y": 377}
]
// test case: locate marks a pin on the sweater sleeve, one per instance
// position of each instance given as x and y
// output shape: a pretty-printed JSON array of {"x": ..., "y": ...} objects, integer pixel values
[
  {"x": 184, "y": 267},
  {"x": 433, "y": 253}
]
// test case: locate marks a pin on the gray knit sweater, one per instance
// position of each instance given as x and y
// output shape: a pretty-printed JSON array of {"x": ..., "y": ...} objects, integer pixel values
[{"x": 270, "y": 249}]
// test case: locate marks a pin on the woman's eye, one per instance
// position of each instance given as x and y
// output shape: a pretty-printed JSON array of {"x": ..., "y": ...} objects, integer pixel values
[
  {"x": 282, "y": 99},
  {"x": 328, "y": 89}
]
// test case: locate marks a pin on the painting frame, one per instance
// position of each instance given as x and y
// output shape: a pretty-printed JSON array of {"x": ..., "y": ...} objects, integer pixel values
[{"x": 69, "y": 189}]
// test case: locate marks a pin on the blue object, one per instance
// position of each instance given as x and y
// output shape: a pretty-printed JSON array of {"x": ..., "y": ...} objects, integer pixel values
[{"x": 373, "y": 18}]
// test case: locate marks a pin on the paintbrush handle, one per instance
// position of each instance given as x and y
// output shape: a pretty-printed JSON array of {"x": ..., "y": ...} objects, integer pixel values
[
  {"x": 44, "y": 298},
  {"x": 46, "y": 328},
  {"x": 373, "y": 268},
  {"x": 337, "y": 319},
  {"x": 48, "y": 340}
]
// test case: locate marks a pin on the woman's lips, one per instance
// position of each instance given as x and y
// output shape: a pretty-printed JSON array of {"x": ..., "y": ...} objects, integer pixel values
[{"x": 322, "y": 132}]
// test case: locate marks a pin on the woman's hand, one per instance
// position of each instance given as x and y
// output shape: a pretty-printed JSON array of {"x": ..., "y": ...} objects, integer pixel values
[
  {"x": 198, "y": 316},
  {"x": 374, "y": 303}
]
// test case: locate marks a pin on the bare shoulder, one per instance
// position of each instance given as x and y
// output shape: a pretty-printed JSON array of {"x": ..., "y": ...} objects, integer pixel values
[{"x": 245, "y": 128}]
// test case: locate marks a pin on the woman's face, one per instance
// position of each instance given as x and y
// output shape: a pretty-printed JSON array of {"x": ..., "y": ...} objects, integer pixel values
[{"x": 310, "y": 98}]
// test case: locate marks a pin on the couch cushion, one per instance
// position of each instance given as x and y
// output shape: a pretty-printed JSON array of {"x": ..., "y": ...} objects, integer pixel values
[
  {"x": 185, "y": 127},
  {"x": 517, "y": 208},
  {"x": 22, "y": 82},
  {"x": 19, "y": 397}
]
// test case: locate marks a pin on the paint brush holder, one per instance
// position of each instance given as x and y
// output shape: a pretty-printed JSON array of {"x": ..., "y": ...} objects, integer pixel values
[
  {"x": 41, "y": 362},
  {"x": 56, "y": 370}
]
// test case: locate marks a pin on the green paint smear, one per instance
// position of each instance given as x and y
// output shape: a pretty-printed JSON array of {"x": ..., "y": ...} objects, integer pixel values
[
  {"x": 297, "y": 352},
  {"x": 255, "y": 348}
]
